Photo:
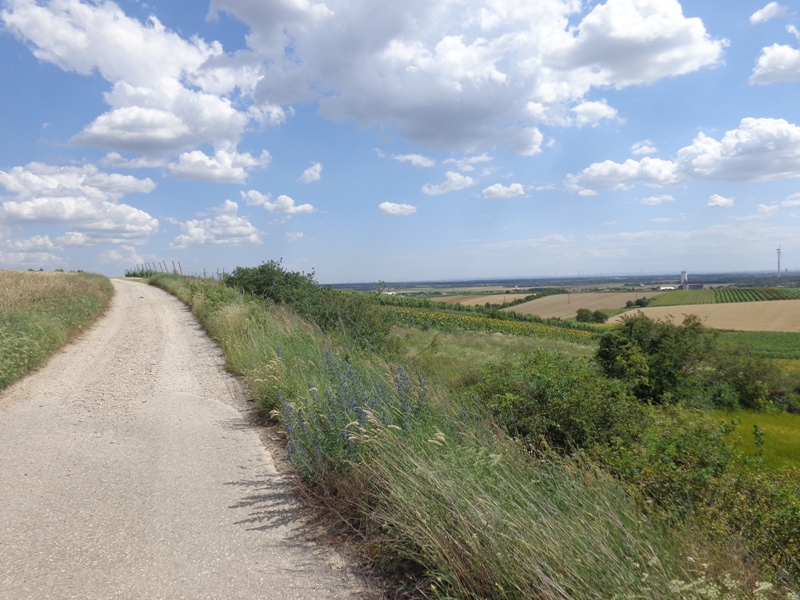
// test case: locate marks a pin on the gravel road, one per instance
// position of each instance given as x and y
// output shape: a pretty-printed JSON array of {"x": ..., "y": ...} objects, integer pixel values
[{"x": 127, "y": 471}]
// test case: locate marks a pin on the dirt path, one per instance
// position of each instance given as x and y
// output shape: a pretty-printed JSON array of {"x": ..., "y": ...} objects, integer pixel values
[{"x": 126, "y": 471}]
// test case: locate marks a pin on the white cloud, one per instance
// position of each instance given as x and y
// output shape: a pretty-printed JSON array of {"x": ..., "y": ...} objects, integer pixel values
[
  {"x": 167, "y": 93},
  {"x": 591, "y": 113},
  {"x": 461, "y": 75},
  {"x": 295, "y": 236},
  {"x": 283, "y": 205},
  {"x": 37, "y": 243},
  {"x": 656, "y": 200},
  {"x": 768, "y": 209},
  {"x": 467, "y": 164},
  {"x": 631, "y": 42},
  {"x": 227, "y": 228},
  {"x": 415, "y": 159},
  {"x": 82, "y": 198},
  {"x": 770, "y": 11},
  {"x": 611, "y": 175},
  {"x": 455, "y": 181},
  {"x": 642, "y": 148},
  {"x": 225, "y": 166},
  {"x": 115, "y": 159},
  {"x": 312, "y": 173},
  {"x": 717, "y": 201},
  {"x": 499, "y": 191},
  {"x": 121, "y": 257},
  {"x": 759, "y": 150},
  {"x": 793, "y": 200},
  {"x": 396, "y": 210},
  {"x": 457, "y": 75},
  {"x": 777, "y": 63}
]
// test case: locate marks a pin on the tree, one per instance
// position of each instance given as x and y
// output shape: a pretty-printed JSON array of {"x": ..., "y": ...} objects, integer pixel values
[
  {"x": 661, "y": 362},
  {"x": 585, "y": 315}
]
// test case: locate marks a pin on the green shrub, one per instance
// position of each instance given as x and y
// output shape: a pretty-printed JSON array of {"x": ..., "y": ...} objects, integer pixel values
[
  {"x": 357, "y": 317},
  {"x": 563, "y": 401},
  {"x": 661, "y": 362}
]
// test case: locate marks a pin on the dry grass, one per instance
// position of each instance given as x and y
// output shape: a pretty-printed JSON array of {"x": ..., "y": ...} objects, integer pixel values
[
  {"x": 565, "y": 306},
  {"x": 775, "y": 315},
  {"x": 21, "y": 289}
]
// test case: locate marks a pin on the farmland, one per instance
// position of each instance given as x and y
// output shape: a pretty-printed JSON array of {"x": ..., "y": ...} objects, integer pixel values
[
  {"x": 480, "y": 299},
  {"x": 778, "y": 315},
  {"x": 564, "y": 306}
]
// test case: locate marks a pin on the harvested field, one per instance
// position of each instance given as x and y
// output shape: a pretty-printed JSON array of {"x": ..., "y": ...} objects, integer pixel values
[
  {"x": 565, "y": 306},
  {"x": 775, "y": 315},
  {"x": 480, "y": 299}
]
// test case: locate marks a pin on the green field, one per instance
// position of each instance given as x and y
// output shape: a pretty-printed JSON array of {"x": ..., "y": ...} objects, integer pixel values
[
  {"x": 724, "y": 296},
  {"x": 769, "y": 344},
  {"x": 781, "y": 436}
]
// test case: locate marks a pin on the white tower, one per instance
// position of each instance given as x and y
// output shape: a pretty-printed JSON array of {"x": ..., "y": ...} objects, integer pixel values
[{"x": 779, "y": 262}]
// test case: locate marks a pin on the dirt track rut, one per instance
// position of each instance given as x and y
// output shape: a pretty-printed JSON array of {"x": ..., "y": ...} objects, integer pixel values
[{"x": 126, "y": 471}]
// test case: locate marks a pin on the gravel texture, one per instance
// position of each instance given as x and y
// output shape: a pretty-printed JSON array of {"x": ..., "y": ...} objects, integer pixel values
[{"x": 127, "y": 471}]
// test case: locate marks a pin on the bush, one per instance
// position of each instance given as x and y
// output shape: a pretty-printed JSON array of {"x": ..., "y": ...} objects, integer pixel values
[
  {"x": 358, "y": 317},
  {"x": 563, "y": 401},
  {"x": 661, "y": 362}
]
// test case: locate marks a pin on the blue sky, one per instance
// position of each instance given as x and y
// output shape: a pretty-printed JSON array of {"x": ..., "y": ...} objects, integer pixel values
[{"x": 377, "y": 140}]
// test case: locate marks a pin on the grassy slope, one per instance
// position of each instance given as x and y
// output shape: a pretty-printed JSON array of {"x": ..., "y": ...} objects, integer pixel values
[{"x": 40, "y": 312}]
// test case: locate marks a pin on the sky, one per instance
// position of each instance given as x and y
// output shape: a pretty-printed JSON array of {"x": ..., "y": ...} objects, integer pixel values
[{"x": 369, "y": 140}]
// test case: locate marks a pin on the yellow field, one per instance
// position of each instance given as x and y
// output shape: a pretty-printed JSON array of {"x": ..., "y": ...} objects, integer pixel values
[
  {"x": 19, "y": 288},
  {"x": 565, "y": 306},
  {"x": 775, "y": 315},
  {"x": 480, "y": 300}
]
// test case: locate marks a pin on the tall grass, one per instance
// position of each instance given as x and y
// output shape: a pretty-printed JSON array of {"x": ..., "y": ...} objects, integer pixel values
[
  {"x": 426, "y": 478},
  {"x": 39, "y": 312}
]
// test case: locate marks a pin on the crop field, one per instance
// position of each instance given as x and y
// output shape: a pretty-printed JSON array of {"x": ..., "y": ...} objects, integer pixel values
[
  {"x": 480, "y": 299},
  {"x": 447, "y": 321},
  {"x": 725, "y": 296},
  {"x": 682, "y": 297},
  {"x": 778, "y": 315},
  {"x": 565, "y": 306},
  {"x": 781, "y": 435}
]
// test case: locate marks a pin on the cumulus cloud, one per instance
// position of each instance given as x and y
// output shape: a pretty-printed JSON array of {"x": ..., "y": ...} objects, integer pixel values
[
  {"x": 82, "y": 198},
  {"x": 37, "y": 243},
  {"x": 644, "y": 147},
  {"x": 616, "y": 176},
  {"x": 717, "y": 201},
  {"x": 656, "y": 200},
  {"x": 758, "y": 150},
  {"x": 631, "y": 42},
  {"x": 295, "y": 236},
  {"x": 452, "y": 75},
  {"x": 770, "y": 11},
  {"x": 456, "y": 76},
  {"x": 591, "y": 113},
  {"x": 312, "y": 173},
  {"x": 415, "y": 159},
  {"x": 776, "y": 64},
  {"x": 455, "y": 181},
  {"x": 224, "y": 167},
  {"x": 283, "y": 205},
  {"x": 167, "y": 93},
  {"x": 396, "y": 210},
  {"x": 499, "y": 191},
  {"x": 227, "y": 228}
]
